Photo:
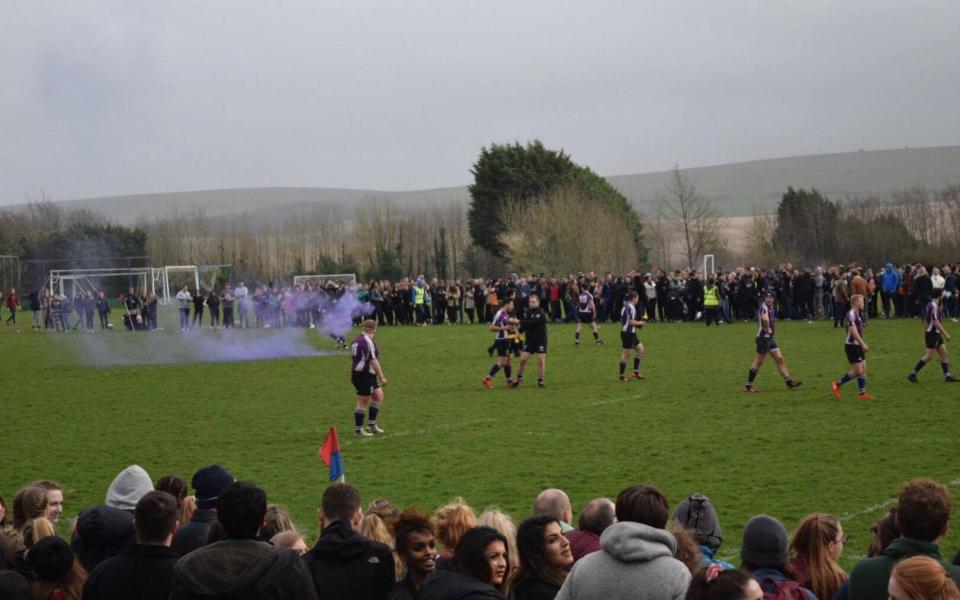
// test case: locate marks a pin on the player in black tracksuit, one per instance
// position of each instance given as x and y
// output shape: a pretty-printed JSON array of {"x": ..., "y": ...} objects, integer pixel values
[{"x": 534, "y": 326}]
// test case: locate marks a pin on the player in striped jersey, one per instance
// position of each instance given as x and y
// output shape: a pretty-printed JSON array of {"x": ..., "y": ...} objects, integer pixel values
[
  {"x": 767, "y": 344},
  {"x": 628, "y": 337},
  {"x": 935, "y": 335},
  {"x": 368, "y": 380},
  {"x": 856, "y": 349},
  {"x": 586, "y": 314},
  {"x": 503, "y": 325}
]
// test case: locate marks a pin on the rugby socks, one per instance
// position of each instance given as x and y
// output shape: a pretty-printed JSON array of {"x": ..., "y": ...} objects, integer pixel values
[
  {"x": 862, "y": 383},
  {"x": 576, "y": 337},
  {"x": 788, "y": 381},
  {"x": 374, "y": 411},
  {"x": 946, "y": 368},
  {"x": 636, "y": 364},
  {"x": 506, "y": 371},
  {"x": 846, "y": 377},
  {"x": 920, "y": 365},
  {"x": 493, "y": 371},
  {"x": 623, "y": 368},
  {"x": 752, "y": 376},
  {"x": 596, "y": 335},
  {"x": 358, "y": 419}
]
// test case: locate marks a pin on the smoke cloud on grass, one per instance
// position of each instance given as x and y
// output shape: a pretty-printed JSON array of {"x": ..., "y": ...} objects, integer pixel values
[{"x": 169, "y": 346}]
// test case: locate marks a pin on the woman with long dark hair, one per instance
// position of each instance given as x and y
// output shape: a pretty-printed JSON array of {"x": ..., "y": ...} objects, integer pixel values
[
  {"x": 479, "y": 569},
  {"x": 545, "y": 559}
]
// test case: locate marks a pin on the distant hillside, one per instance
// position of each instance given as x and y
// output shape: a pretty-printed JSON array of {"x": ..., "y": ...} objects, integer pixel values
[{"x": 738, "y": 188}]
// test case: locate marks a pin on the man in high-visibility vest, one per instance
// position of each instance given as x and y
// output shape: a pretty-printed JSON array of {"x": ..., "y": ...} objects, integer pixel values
[
  {"x": 711, "y": 301},
  {"x": 419, "y": 295}
]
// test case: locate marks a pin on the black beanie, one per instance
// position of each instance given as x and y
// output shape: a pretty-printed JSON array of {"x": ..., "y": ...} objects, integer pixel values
[
  {"x": 207, "y": 483},
  {"x": 51, "y": 558}
]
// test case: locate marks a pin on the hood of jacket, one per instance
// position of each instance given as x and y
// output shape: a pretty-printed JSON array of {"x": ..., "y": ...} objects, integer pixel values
[
  {"x": 450, "y": 585},
  {"x": 635, "y": 542},
  {"x": 128, "y": 487},
  {"x": 102, "y": 532},
  {"x": 339, "y": 543},
  {"x": 901, "y": 548},
  {"x": 234, "y": 569}
]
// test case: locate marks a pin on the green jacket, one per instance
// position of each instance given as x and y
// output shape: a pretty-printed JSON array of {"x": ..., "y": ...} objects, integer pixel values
[{"x": 868, "y": 580}]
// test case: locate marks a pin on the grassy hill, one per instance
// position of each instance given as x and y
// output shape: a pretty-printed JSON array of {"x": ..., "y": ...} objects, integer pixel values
[{"x": 739, "y": 188}]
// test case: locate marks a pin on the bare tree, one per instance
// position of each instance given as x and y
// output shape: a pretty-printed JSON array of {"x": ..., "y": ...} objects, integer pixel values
[{"x": 694, "y": 217}]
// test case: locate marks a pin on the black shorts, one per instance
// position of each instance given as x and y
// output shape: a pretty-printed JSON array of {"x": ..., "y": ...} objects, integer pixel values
[
  {"x": 854, "y": 353},
  {"x": 628, "y": 340},
  {"x": 766, "y": 344},
  {"x": 933, "y": 339},
  {"x": 364, "y": 383},
  {"x": 535, "y": 346},
  {"x": 585, "y": 317},
  {"x": 504, "y": 345}
]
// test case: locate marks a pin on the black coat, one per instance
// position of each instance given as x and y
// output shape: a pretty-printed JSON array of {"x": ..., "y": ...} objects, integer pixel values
[
  {"x": 241, "y": 570},
  {"x": 531, "y": 589},
  {"x": 450, "y": 585},
  {"x": 144, "y": 572},
  {"x": 344, "y": 564},
  {"x": 193, "y": 535},
  {"x": 102, "y": 532}
]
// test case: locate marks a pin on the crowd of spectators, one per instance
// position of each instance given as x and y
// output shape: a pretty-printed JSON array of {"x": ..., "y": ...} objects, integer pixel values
[
  {"x": 155, "y": 541},
  {"x": 892, "y": 290}
]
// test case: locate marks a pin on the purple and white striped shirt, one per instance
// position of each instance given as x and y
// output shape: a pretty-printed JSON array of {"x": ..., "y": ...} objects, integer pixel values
[{"x": 364, "y": 350}]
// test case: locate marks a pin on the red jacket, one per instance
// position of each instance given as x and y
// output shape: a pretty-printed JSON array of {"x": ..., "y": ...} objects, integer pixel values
[
  {"x": 583, "y": 543},
  {"x": 12, "y": 301}
]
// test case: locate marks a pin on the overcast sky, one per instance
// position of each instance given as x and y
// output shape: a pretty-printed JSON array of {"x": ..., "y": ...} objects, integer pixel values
[{"x": 104, "y": 98}]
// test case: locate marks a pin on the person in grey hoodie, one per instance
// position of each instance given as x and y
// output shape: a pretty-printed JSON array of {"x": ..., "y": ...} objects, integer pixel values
[
  {"x": 107, "y": 530},
  {"x": 637, "y": 560}
]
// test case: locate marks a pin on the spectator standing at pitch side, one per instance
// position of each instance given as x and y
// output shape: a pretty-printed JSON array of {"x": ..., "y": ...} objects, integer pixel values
[
  {"x": 595, "y": 517},
  {"x": 343, "y": 563},
  {"x": 923, "y": 515},
  {"x": 240, "y": 565},
  {"x": 637, "y": 561}
]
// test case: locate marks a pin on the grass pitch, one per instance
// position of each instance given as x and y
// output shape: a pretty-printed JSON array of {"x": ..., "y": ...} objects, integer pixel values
[{"x": 688, "y": 427}]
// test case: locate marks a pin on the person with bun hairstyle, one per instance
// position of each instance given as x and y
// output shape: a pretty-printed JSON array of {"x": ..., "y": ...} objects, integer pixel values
[{"x": 921, "y": 578}]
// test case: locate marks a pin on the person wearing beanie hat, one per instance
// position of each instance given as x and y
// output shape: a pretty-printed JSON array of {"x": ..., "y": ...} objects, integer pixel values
[
  {"x": 764, "y": 554},
  {"x": 207, "y": 483},
  {"x": 128, "y": 487},
  {"x": 57, "y": 571},
  {"x": 698, "y": 515}
]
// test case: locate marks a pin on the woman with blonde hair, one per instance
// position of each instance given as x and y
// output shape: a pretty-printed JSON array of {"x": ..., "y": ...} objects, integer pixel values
[
  {"x": 502, "y": 522},
  {"x": 35, "y": 530},
  {"x": 815, "y": 549},
  {"x": 453, "y": 520},
  {"x": 276, "y": 520},
  {"x": 921, "y": 578}
]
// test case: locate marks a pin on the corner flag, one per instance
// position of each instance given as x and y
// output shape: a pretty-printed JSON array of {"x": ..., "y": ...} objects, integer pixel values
[{"x": 330, "y": 454}]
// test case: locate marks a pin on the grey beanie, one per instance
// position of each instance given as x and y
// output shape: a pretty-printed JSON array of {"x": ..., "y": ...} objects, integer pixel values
[
  {"x": 697, "y": 514},
  {"x": 764, "y": 543}
]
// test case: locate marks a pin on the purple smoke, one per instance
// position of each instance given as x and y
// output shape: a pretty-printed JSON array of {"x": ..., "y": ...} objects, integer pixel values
[{"x": 338, "y": 319}]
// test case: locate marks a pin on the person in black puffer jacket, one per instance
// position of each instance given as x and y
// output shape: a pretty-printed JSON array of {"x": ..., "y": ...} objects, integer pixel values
[{"x": 343, "y": 563}]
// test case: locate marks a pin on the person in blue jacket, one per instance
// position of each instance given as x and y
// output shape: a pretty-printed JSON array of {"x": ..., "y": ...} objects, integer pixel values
[{"x": 889, "y": 288}]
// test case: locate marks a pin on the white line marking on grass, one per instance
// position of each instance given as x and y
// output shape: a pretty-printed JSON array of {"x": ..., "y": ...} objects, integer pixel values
[
  {"x": 612, "y": 400},
  {"x": 848, "y": 516}
]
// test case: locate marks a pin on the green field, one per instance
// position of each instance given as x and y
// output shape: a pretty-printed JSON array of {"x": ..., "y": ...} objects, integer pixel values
[{"x": 688, "y": 427}]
